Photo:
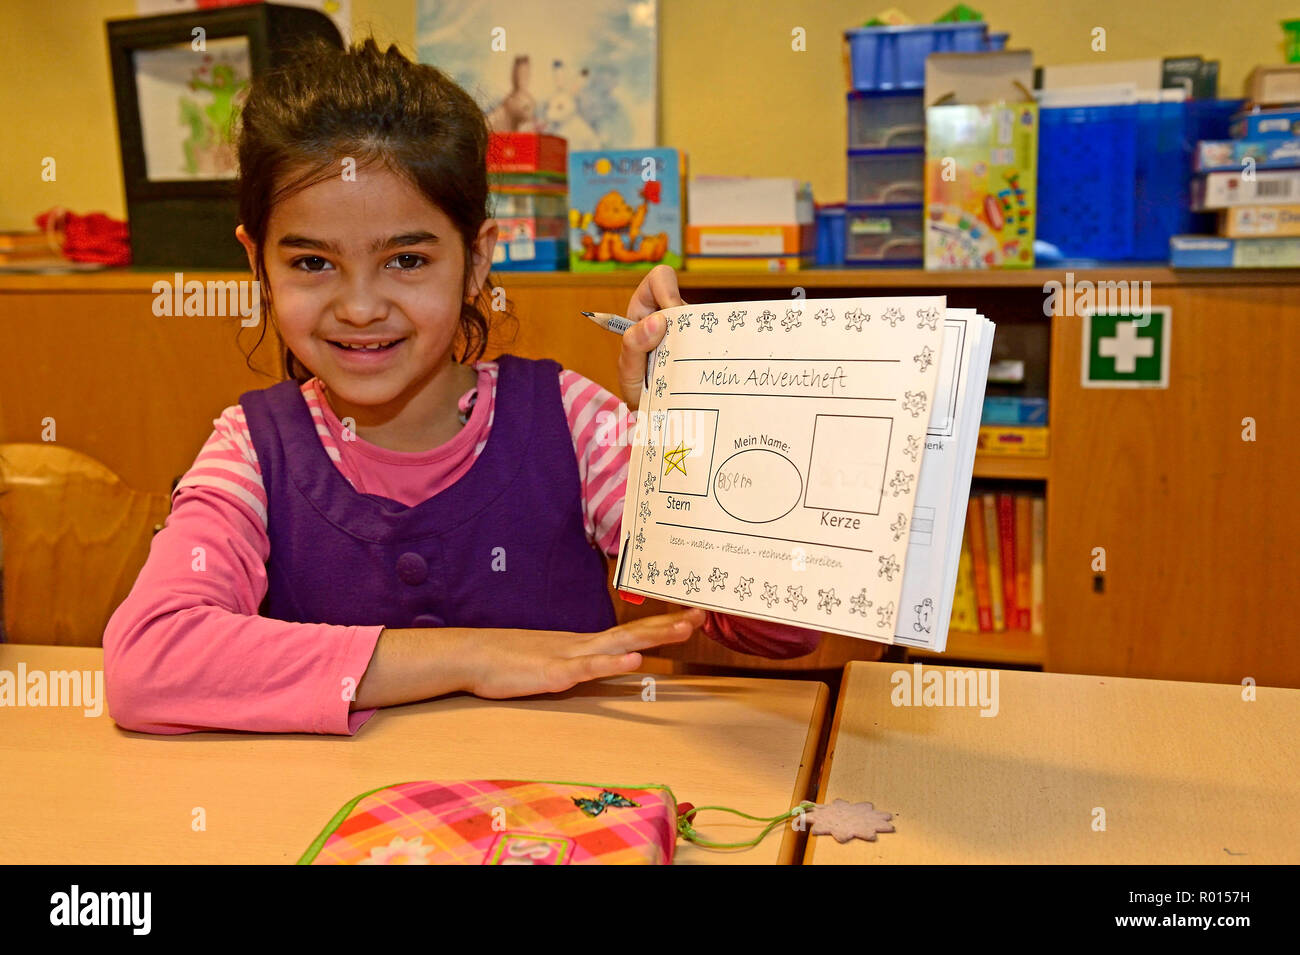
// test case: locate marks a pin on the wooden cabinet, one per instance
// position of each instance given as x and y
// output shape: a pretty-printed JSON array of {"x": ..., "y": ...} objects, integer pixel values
[{"x": 1199, "y": 530}]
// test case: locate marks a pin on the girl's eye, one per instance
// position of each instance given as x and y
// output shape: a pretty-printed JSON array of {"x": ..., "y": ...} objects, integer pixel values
[
  {"x": 318, "y": 263},
  {"x": 409, "y": 261}
]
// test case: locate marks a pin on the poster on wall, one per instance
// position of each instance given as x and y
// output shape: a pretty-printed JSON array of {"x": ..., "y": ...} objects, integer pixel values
[
  {"x": 581, "y": 69},
  {"x": 189, "y": 108},
  {"x": 340, "y": 11}
]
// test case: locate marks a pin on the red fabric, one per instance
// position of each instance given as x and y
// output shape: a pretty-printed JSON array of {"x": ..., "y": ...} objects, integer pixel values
[
  {"x": 89, "y": 238},
  {"x": 777, "y": 641}
]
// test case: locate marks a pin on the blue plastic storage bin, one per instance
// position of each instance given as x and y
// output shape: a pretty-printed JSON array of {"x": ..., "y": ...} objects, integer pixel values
[
  {"x": 892, "y": 58},
  {"x": 886, "y": 176},
  {"x": 1113, "y": 181},
  {"x": 830, "y": 235},
  {"x": 1087, "y": 170},
  {"x": 887, "y": 119},
  {"x": 891, "y": 235}
]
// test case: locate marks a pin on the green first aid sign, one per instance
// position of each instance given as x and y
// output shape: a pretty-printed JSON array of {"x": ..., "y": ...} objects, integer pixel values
[{"x": 1126, "y": 350}]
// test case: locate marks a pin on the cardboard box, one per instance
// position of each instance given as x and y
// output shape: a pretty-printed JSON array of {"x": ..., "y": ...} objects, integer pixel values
[
  {"x": 1215, "y": 252},
  {"x": 1275, "y": 123},
  {"x": 1274, "y": 85},
  {"x": 1253, "y": 221},
  {"x": 1223, "y": 190},
  {"x": 980, "y": 197},
  {"x": 774, "y": 240},
  {"x": 1019, "y": 441},
  {"x": 1231, "y": 154},
  {"x": 527, "y": 152},
  {"x": 749, "y": 200}
]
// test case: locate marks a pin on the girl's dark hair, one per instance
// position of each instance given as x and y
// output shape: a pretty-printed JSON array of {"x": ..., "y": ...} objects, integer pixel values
[{"x": 377, "y": 107}]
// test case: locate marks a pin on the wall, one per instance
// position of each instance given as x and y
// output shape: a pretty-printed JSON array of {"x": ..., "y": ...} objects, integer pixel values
[{"x": 733, "y": 93}]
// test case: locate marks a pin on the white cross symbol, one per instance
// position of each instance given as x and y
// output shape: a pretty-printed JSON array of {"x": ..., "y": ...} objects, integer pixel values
[{"x": 1126, "y": 347}]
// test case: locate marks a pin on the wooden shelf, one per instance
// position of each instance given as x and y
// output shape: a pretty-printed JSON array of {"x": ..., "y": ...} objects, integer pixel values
[
  {"x": 1003, "y": 466},
  {"x": 1008, "y": 646},
  {"x": 859, "y": 280}
]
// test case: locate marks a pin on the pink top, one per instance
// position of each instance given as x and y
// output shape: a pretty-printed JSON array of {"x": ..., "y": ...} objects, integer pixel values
[{"x": 187, "y": 649}]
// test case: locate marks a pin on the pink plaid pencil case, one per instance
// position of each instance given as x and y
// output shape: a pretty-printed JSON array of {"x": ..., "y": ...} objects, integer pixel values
[{"x": 501, "y": 822}]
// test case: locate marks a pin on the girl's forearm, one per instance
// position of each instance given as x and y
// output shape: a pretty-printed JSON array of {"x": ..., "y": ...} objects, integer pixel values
[{"x": 415, "y": 664}]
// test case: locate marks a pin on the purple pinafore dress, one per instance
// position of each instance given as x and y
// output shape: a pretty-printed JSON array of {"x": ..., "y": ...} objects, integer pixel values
[{"x": 504, "y": 546}]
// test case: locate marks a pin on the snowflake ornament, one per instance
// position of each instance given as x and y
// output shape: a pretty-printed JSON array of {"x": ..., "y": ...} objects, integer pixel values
[{"x": 849, "y": 820}]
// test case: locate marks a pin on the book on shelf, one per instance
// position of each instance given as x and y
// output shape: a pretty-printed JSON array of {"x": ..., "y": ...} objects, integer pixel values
[
  {"x": 1038, "y": 541},
  {"x": 978, "y": 548},
  {"x": 626, "y": 209},
  {"x": 808, "y": 463},
  {"x": 1007, "y": 550},
  {"x": 1005, "y": 556},
  {"x": 1023, "y": 532},
  {"x": 993, "y": 545},
  {"x": 965, "y": 610}
]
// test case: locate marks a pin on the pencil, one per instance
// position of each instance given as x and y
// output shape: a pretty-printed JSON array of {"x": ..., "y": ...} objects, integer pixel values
[{"x": 610, "y": 322}]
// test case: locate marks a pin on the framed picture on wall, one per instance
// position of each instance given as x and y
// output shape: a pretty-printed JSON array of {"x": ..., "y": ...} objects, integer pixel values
[
  {"x": 582, "y": 69},
  {"x": 179, "y": 82},
  {"x": 189, "y": 103}
]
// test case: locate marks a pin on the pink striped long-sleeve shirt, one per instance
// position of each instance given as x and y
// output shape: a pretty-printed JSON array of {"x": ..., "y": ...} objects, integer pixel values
[{"x": 187, "y": 649}]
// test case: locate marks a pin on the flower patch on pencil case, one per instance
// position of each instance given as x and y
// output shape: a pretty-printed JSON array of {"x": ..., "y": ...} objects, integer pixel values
[{"x": 501, "y": 822}]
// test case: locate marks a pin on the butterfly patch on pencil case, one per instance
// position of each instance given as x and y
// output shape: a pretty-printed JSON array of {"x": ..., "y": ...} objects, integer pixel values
[{"x": 501, "y": 822}]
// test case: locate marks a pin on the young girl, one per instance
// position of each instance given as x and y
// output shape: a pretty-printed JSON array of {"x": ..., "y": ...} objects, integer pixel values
[{"x": 389, "y": 524}]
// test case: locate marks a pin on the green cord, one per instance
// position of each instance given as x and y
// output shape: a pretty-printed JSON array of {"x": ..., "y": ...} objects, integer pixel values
[{"x": 687, "y": 831}]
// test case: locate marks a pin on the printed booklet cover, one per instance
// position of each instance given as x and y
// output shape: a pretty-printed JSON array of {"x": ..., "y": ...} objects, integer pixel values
[{"x": 778, "y": 455}]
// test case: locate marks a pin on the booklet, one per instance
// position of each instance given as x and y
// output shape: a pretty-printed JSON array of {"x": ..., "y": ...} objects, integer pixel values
[
  {"x": 943, "y": 489},
  {"x": 779, "y": 456}
]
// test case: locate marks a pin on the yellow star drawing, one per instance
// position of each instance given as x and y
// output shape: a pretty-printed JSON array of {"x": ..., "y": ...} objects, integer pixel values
[{"x": 677, "y": 458}]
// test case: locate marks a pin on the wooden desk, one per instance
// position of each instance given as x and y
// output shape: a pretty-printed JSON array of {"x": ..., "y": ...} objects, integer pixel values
[
  {"x": 1186, "y": 772},
  {"x": 79, "y": 789}
]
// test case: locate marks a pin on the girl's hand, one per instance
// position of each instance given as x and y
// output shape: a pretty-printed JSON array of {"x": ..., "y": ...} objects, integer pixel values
[
  {"x": 509, "y": 663},
  {"x": 657, "y": 290}
]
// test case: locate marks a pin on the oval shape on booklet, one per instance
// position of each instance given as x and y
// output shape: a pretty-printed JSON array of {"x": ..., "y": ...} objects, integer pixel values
[{"x": 757, "y": 486}]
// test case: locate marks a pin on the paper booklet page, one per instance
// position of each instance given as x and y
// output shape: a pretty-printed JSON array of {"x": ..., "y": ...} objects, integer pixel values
[
  {"x": 943, "y": 487},
  {"x": 777, "y": 457}
]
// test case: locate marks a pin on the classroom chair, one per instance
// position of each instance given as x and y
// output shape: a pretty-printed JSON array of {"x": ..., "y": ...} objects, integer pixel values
[{"x": 73, "y": 537}]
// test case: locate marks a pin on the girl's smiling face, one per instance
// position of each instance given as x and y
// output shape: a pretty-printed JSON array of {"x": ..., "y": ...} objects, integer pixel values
[{"x": 373, "y": 261}]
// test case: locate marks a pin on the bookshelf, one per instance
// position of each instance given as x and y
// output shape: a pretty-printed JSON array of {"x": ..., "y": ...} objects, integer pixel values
[
  {"x": 1197, "y": 525},
  {"x": 1012, "y": 647}
]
